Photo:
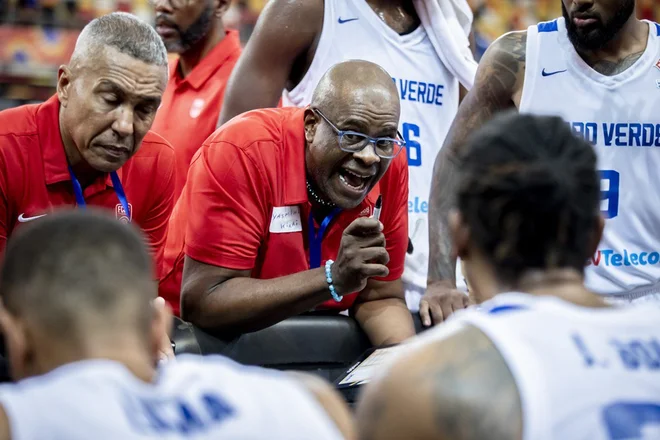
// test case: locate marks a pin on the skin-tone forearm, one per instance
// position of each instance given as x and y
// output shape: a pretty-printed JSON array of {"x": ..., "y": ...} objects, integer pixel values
[
  {"x": 243, "y": 304},
  {"x": 385, "y": 321},
  {"x": 442, "y": 265},
  {"x": 498, "y": 81},
  {"x": 382, "y": 312}
]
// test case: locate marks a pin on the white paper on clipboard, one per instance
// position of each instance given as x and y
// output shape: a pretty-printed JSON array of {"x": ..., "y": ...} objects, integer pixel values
[{"x": 369, "y": 367}]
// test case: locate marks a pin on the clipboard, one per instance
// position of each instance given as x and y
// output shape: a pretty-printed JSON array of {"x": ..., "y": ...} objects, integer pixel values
[{"x": 363, "y": 370}]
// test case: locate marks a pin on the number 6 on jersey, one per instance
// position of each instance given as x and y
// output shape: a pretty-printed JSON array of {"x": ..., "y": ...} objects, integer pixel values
[{"x": 413, "y": 149}]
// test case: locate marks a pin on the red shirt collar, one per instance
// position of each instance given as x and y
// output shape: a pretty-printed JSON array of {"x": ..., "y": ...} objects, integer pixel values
[
  {"x": 210, "y": 63},
  {"x": 56, "y": 168}
]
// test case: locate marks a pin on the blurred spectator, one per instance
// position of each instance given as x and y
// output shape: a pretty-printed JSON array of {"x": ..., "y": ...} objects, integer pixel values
[
  {"x": 193, "y": 98},
  {"x": 274, "y": 196},
  {"x": 492, "y": 19},
  {"x": 89, "y": 144}
]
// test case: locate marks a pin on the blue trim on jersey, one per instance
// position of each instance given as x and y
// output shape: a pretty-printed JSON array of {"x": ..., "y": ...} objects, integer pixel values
[
  {"x": 505, "y": 308},
  {"x": 548, "y": 26},
  {"x": 657, "y": 26}
]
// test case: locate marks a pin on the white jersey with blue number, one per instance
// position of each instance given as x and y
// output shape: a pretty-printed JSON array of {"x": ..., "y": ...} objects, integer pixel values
[
  {"x": 208, "y": 398},
  {"x": 620, "y": 115},
  {"x": 581, "y": 373},
  {"x": 429, "y": 101}
]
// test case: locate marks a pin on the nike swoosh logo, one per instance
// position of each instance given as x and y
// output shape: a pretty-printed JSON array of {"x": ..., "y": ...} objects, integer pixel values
[
  {"x": 23, "y": 219},
  {"x": 340, "y": 21},
  {"x": 544, "y": 73}
]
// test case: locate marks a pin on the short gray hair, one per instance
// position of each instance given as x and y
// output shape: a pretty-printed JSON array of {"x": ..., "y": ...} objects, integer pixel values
[{"x": 124, "y": 32}]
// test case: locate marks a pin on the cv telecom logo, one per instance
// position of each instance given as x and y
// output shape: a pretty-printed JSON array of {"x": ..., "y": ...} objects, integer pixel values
[
  {"x": 544, "y": 73},
  {"x": 609, "y": 257}
]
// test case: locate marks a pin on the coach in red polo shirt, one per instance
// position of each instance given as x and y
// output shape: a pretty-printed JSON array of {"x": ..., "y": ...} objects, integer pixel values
[
  {"x": 89, "y": 144},
  {"x": 198, "y": 77},
  {"x": 276, "y": 217}
]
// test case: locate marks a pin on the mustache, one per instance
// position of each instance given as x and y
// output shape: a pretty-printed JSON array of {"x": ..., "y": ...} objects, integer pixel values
[
  {"x": 122, "y": 143},
  {"x": 584, "y": 13},
  {"x": 162, "y": 20}
]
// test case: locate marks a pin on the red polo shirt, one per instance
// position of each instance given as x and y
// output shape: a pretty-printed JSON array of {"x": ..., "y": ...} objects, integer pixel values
[
  {"x": 191, "y": 106},
  {"x": 35, "y": 180},
  {"x": 243, "y": 180}
]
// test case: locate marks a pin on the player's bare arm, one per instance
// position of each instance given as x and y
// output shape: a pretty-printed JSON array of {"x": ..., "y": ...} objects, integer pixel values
[
  {"x": 426, "y": 394},
  {"x": 381, "y": 311},
  {"x": 498, "y": 86},
  {"x": 278, "y": 53}
]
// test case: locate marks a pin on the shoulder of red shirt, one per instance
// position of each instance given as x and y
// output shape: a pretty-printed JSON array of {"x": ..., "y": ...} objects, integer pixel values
[
  {"x": 23, "y": 121},
  {"x": 270, "y": 124},
  {"x": 158, "y": 155},
  {"x": 153, "y": 142}
]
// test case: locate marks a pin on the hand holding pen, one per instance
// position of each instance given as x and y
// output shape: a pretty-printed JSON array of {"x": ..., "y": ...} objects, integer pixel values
[{"x": 362, "y": 254}]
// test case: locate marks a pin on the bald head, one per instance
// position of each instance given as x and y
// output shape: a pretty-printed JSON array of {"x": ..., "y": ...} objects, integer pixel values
[
  {"x": 355, "y": 82},
  {"x": 357, "y": 97}
]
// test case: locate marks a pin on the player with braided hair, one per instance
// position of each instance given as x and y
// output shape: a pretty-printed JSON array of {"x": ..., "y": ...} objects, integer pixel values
[
  {"x": 554, "y": 362},
  {"x": 529, "y": 196}
]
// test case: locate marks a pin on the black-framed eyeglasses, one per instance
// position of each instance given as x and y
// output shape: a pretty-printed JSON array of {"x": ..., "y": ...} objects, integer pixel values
[{"x": 354, "y": 142}]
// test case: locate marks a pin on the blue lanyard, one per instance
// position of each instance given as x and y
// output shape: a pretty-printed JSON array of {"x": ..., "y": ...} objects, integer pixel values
[
  {"x": 315, "y": 238},
  {"x": 116, "y": 183}
]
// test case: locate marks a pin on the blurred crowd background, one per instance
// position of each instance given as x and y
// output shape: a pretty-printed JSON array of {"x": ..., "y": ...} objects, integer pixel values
[{"x": 36, "y": 36}]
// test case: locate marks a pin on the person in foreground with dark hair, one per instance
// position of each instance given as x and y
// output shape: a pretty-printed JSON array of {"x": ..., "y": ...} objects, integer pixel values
[
  {"x": 83, "y": 338},
  {"x": 545, "y": 358}
]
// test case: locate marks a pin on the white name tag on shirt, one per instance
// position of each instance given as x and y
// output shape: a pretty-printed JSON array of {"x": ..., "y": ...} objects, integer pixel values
[{"x": 285, "y": 219}]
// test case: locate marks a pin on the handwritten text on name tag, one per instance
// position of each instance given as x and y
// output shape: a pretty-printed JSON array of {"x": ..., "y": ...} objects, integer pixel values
[{"x": 285, "y": 219}]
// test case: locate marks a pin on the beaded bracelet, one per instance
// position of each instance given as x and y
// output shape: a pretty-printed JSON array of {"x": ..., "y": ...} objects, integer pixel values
[{"x": 328, "y": 278}]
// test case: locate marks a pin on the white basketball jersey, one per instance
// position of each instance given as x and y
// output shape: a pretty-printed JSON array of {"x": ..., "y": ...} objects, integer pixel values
[
  {"x": 620, "y": 115},
  {"x": 582, "y": 373},
  {"x": 194, "y": 398},
  {"x": 428, "y": 93}
]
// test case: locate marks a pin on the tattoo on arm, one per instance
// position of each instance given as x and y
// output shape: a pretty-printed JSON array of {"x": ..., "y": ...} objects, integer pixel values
[
  {"x": 611, "y": 68},
  {"x": 500, "y": 74},
  {"x": 474, "y": 393}
]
